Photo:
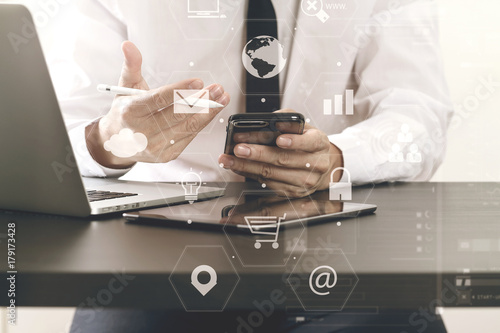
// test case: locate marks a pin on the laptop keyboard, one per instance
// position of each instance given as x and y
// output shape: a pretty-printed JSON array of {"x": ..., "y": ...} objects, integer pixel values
[{"x": 95, "y": 195}]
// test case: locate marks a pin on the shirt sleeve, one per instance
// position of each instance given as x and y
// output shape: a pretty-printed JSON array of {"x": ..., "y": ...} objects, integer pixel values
[
  {"x": 404, "y": 94},
  {"x": 94, "y": 48}
]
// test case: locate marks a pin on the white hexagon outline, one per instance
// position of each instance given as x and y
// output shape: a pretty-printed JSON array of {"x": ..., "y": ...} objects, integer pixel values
[
  {"x": 204, "y": 39},
  {"x": 348, "y": 263},
  {"x": 229, "y": 260},
  {"x": 234, "y": 247},
  {"x": 289, "y": 78},
  {"x": 214, "y": 201}
]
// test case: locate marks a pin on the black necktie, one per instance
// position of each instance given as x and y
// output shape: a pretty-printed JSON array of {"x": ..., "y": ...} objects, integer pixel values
[{"x": 262, "y": 94}]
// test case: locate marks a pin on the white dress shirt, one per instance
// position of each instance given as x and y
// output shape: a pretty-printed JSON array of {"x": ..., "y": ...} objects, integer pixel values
[{"x": 387, "y": 52}]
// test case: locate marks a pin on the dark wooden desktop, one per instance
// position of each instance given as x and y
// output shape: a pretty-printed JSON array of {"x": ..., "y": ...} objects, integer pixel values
[{"x": 422, "y": 237}]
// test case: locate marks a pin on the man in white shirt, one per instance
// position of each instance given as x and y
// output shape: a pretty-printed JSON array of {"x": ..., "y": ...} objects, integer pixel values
[{"x": 385, "y": 52}]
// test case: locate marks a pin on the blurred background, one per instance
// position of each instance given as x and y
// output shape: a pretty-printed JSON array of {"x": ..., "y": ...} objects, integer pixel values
[{"x": 470, "y": 41}]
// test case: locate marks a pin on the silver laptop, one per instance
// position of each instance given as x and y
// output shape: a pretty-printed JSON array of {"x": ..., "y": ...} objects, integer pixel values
[{"x": 37, "y": 169}]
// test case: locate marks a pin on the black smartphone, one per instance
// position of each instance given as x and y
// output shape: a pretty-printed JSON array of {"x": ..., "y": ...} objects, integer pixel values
[{"x": 261, "y": 128}]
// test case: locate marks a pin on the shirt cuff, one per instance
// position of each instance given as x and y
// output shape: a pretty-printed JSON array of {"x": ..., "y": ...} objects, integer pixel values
[
  {"x": 356, "y": 170},
  {"x": 86, "y": 163}
]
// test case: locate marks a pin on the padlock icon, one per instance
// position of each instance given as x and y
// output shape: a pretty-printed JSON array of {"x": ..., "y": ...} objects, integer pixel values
[{"x": 340, "y": 190}]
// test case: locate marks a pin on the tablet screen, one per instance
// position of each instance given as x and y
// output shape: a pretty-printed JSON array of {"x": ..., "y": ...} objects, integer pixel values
[{"x": 253, "y": 210}]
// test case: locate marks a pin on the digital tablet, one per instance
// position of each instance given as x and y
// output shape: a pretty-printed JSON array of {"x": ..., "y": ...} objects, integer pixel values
[{"x": 252, "y": 210}]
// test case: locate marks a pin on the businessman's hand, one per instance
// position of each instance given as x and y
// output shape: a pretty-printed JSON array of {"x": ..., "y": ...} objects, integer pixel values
[
  {"x": 150, "y": 114},
  {"x": 299, "y": 165}
]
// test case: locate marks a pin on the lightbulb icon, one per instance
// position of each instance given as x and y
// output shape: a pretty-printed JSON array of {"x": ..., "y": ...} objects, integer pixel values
[{"x": 191, "y": 183}]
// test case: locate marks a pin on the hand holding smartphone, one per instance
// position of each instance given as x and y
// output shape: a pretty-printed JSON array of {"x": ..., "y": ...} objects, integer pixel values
[{"x": 261, "y": 128}]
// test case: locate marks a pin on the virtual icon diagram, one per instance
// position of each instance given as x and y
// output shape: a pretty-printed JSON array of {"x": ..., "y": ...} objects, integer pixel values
[
  {"x": 338, "y": 105},
  {"x": 126, "y": 143},
  {"x": 265, "y": 226},
  {"x": 322, "y": 278},
  {"x": 260, "y": 216},
  {"x": 405, "y": 137},
  {"x": 314, "y": 8},
  {"x": 204, "y": 278},
  {"x": 264, "y": 57},
  {"x": 204, "y": 288},
  {"x": 204, "y": 9},
  {"x": 193, "y": 101},
  {"x": 340, "y": 190},
  {"x": 191, "y": 183},
  {"x": 414, "y": 156}
]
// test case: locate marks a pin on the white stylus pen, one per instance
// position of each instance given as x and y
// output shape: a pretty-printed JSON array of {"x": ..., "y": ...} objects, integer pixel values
[
  {"x": 104, "y": 88},
  {"x": 190, "y": 101}
]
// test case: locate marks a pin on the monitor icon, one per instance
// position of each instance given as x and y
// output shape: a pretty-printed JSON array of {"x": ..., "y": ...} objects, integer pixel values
[{"x": 204, "y": 9}]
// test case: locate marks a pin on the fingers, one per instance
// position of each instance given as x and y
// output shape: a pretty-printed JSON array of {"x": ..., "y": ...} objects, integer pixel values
[
  {"x": 183, "y": 123},
  {"x": 289, "y": 159},
  {"x": 264, "y": 172},
  {"x": 194, "y": 123},
  {"x": 186, "y": 124},
  {"x": 273, "y": 155},
  {"x": 157, "y": 99},
  {"x": 131, "y": 75},
  {"x": 258, "y": 137},
  {"x": 312, "y": 141}
]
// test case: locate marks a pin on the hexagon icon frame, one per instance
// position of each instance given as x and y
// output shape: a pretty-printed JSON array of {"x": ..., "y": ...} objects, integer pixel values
[
  {"x": 208, "y": 205},
  {"x": 289, "y": 76},
  {"x": 339, "y": 251},
  {"x": 296, "y": 239},
  {"x": 231, "y": 264},
  {"x": 233, "y": 6}
]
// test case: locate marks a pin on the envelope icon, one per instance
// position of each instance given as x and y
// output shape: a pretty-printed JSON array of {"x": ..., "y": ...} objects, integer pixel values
[{"x": 191, "y": 101}]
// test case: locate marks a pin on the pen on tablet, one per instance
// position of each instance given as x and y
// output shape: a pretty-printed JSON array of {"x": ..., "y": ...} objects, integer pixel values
[{"x": 190, "y": 101}]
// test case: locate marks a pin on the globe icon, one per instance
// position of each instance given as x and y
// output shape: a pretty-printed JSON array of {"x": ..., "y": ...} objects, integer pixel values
[{"x": 263, "y": 57}]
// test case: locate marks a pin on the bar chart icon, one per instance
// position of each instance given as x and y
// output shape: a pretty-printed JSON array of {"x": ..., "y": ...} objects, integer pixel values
[{"x": 338, "y": 104}]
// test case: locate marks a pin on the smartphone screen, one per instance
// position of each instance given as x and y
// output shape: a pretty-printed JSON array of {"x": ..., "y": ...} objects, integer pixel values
[{"x": 261, "y": 128}]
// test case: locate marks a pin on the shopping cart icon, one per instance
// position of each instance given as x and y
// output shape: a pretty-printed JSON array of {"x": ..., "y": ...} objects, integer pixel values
[{"x": 265, "y": 226}]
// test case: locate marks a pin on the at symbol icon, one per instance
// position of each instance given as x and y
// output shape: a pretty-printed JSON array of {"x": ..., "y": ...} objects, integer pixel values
[{"x": 322, "y": 280}]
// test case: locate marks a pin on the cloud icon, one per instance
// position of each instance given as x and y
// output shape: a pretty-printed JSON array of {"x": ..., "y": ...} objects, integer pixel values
[{"x": 126, "y": 143}]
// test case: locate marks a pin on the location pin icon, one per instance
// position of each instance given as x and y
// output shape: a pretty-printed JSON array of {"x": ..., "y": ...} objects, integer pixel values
[{"x": 204, "y": 288}]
